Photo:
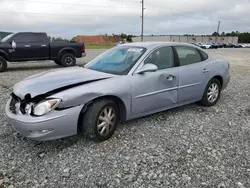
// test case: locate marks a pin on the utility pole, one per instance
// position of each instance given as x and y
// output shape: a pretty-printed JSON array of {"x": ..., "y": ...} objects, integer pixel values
[
  {"x": 142, "y": 19},
  {"x": 218, "y": 29}
]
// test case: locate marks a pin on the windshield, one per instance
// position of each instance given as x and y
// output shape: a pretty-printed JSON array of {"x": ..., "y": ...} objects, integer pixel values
[
  {"x": 7, "y": 37},
  {"x": 118, "y": 60}
]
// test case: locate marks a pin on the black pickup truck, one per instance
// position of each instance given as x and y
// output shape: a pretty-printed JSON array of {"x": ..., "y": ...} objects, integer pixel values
[{"x": 34, "y": 46}]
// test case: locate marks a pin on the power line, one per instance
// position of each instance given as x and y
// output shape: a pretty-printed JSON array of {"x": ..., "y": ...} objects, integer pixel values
[
  {"x": 88, "y": 5},
  {"x": 127, "y": 1},
  {"x": 77, "y": 15},
  {"x": 177, "y": 23},
  {"x": 176, "y": 10},
  {"x": 71, "y": 4},
  {"x": 91, "y": 15},
  {"x": 42, "y": 15}
]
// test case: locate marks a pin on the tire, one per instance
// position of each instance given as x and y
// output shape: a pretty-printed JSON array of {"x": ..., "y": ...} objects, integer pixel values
[
  {"x": 57, "y": 62},
  {"x": 91, "y": 120},
  {"x": 205, "y": 99},
  {"x": 68, "y": 60},
  {"x": 3, "y": 64}
]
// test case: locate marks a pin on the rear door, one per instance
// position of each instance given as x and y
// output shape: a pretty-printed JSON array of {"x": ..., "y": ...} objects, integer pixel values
[
  {"x": 39, "y": 46},
  {"x": 193, "y": 73}
]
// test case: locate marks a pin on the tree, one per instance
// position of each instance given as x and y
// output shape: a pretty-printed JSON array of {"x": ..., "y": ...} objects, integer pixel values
[
  {"x": 58, "y": 39},
  {"x": 73, "y": 40},
  {"x": 215, "y": 34},
  {"x": 129, "y": 38},
  {"x": 123, "y": 36},
  {"x": 243, "y": 37}
]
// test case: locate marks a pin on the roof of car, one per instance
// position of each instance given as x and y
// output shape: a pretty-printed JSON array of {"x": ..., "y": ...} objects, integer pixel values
[
  {"x": 155, "y": 44},
  {"x": 152, "y": 45}
]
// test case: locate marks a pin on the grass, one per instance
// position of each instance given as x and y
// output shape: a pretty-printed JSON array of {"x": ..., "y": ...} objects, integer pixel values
[{"x": 98, "y": 46}]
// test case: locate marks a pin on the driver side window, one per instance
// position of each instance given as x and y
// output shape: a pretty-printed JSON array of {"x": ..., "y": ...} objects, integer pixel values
[
  {"x": 162, "y": 57},
  {"x": 22, "y": 38}
]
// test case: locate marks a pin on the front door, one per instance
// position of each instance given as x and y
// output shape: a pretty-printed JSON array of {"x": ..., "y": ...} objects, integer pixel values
[
  {"x": 193, "y": 73},
  {"x": 22, "y": 51},
  {"x": 154, "y": 91}
]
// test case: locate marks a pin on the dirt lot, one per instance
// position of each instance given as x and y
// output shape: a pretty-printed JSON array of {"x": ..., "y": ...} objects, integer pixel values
[{"x": 189, "y": 146}]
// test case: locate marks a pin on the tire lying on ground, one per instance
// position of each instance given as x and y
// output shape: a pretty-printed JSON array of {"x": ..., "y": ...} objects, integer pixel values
[
  {"x": 68, "y": 60},
  {"x": 3, "y": 64}
]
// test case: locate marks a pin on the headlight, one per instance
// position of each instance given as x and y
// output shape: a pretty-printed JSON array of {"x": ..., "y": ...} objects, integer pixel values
[{"x": 44, "y": 107}]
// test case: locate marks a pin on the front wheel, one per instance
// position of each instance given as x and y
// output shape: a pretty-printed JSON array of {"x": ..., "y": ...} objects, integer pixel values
[
  {"x": 100, "y": 120},
  {"x": 212, "y": 93},
  {"x": 3, "y": 64}
]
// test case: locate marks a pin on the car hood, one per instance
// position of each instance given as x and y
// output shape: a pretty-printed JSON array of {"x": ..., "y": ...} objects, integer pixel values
[{"x": 58, "y": 79}]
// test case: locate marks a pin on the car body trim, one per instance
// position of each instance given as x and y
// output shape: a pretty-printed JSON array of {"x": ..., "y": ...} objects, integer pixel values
[
  {"x": 156, "y": 92},
  {"x": 190, "y": 85},
  {"x": 44, "y": 120}
]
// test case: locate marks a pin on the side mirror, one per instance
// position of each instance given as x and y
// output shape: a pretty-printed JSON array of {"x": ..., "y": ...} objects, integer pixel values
[
  {"x": 13, "y": 44},
  {"x": 149, "y": 67}
]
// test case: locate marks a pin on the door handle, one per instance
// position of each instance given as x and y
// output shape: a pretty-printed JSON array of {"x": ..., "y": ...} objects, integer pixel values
[
  {"x": 27, "y": 46},
  {"x": 44, "y": 45},
  {"x": 170, "y": 77},
  {"x": 205, "y": 70}
]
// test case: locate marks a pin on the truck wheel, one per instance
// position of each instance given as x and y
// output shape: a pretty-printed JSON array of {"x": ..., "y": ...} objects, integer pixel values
[
  {"x": 100, "y": 120},
  {"x": 3, "y": 64},
  {"x": 57, "y": 62},
  {"x": 68, "y": 60}
]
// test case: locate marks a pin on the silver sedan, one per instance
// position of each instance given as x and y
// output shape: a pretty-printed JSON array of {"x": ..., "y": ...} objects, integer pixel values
[{"x": 123, "y": 83}]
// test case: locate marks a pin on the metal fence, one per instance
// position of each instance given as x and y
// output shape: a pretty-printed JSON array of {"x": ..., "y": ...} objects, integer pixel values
[{"x": 181, "y": 38}]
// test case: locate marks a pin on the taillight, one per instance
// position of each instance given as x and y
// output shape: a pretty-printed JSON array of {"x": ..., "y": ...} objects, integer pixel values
[{"x": 83, "y": 48}]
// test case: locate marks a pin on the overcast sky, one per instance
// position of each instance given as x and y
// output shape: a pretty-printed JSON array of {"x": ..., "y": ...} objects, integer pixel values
[{"x": 69, "y": 18}]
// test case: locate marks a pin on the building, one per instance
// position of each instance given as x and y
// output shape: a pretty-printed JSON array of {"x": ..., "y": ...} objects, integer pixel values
[
  {"x": 97, "y": 39},
  {"x": 182, "y": 38}
]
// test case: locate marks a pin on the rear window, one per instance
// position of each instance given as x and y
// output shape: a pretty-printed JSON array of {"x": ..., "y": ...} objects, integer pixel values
[{"x": 39, "y": 37}]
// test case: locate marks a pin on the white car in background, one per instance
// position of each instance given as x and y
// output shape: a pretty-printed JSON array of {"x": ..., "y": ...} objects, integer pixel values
[
  {"x": 245, "y": 45},
  {"x": 206, "y": 46}
]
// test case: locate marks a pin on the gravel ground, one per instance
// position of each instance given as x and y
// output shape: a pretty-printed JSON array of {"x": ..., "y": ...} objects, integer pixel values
[{"x": 191, "y": 146}]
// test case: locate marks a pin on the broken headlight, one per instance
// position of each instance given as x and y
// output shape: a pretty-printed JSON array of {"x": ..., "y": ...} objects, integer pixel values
[{"x": 46, "y": 106}]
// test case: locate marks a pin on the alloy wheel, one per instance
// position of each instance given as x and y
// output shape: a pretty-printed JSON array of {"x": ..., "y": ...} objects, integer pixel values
[
  {"x": 213, "y": 92},
  {"x": 106, "y": 121},
  {"x": 68, "y": 60}
]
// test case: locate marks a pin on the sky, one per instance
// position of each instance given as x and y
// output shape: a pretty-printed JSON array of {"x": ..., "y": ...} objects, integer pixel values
[{"x": 64, "y": 18}]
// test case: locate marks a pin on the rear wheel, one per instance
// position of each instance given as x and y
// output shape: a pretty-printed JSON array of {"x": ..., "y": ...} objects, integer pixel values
[
  {"x": 3, "y": 64},
  {"x": 212, "y": 93},
  {"x": 100, "y": 120},
  {"x": 68, "y": 60}
]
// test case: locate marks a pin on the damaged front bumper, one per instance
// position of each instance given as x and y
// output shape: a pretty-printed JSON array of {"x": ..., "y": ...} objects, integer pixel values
[{"x": 56, "y": 124}]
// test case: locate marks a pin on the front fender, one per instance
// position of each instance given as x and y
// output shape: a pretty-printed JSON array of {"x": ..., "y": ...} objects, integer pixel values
[
  {"x": 118, "y": 87},
  {"x": 75, "y": 100},
  {"x": 4, "y": 54}
]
